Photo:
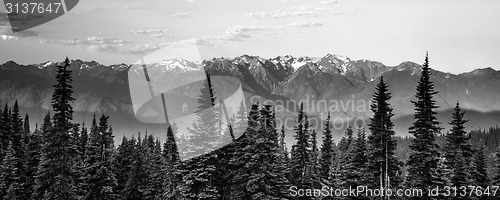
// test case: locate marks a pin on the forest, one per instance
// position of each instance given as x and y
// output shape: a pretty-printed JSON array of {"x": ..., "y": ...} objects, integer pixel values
[{"x": 61, "y": 159}]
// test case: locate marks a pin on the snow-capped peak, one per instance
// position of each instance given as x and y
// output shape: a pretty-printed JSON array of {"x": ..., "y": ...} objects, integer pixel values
[
  {"x": 177, "y": 64},
  {"x": 45, "y": 64}
]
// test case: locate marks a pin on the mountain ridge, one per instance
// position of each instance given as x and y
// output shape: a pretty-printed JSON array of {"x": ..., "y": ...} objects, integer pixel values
[{"x": 332, "y": 78}]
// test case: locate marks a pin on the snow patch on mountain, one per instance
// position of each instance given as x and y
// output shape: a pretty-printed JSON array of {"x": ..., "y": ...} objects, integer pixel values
[{"x": 178, "y": 65}]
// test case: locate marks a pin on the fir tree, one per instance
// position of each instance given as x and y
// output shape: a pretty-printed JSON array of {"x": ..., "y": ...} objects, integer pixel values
[
  {"x": 300, "y": 152},
  {"x": 496, "y": 177},
  {"x": 99, "y": 181},
  {"x": 171, "y": 158},
  {"x": 11, "y": 180},
  {"x": 479, "y": 172},
  {"x": 83, "y": 140},
  {"x": 5, "y": 129},
  {"x": 457, "y": 150},
  {"x": 356, "y": 166},
  {"x": 383, "y": 164},
  {"x": 137, "y": 178},
  {"x": 26, "y": 126},
  {"x": 56, "y": 176},
  {"x": 241, "y": 120},
  {"x": 342, "y": 170},
  {"x": 424, "y": 156},
  {"x": 240, "y": 155},
  {"x": 206, "y": 129},
  {"x": 123, "y": 163},
  {"x": 155, "y": 167},
  {"x": 314, "y": 163},
  {"x": 33, "y": 155},
  {"x": 327, "y": 159}
]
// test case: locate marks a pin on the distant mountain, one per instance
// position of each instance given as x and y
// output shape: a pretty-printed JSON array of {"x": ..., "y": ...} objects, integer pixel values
[{"x": 337, "y": 81}]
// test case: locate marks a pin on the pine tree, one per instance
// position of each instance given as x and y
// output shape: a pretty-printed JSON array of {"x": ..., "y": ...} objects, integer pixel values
[
  {"x": 137, "y": 178},
  {"x": 123, "y": 163},
  {"x": 18, "y": 143},
  {"x": 356, "y": 166},
  {"x": 266, "y": 180},
  {"x": 11, "y": 180},
  {"x": 328, "y": 155},
  {"x": 33, "y": 155},
  {"x": 384, "y": 166},
  {"x": 457, "y": 151},
  {"x": 171, "y": 158},
  {"x": 300, "y": 151},
  {"x": 99, "y": 181},
  {"x": 83, "y": 140},
  {"x": 155, "y": 167},
  {"x": 26, "y": 126},
  {"x": 241, "y": 120},
  {"x": 314, "y": 163},
  {"x": 424, "y": 157},
  {"x": 56, "y": 176},
  {"x": 342, "y": 170},
  {"x": 5, "y": 129},
  {"x": 479, "y": 172},
  {"x": 496, "y": 177},
  {"x": 206, "y": 129},
  {"x": 241, "y": 154}
]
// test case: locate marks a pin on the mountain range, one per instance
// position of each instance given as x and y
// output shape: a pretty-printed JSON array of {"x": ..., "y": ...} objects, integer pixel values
[{"x": 337, "y": 80}]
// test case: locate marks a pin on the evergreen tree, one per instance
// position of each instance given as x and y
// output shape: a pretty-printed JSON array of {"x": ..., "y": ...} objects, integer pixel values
[
  {"x": 241, "y": 120},
  {"x": 99, "y": 181},
  {"x": 496, "y": 177},
  {"x": 457, "y": 151},
  {"x": 241, "y": 154},
  {"x": 424, "y": 156},
  {"x": 314, "y": 163},
  {"x": 5, "y": 130},
  {"x": 171, "y": 158},
  {"x": 327, "y": 159},
  {"x": 383, "y": 164},
  {"x": 342, "y": 170},
  {"x": 356, "y": 166},
  {"x": 123, "y": 163},
  {"x": 266, "y": 180},
  {"x": 479, "y": 172},
  {"x": 206, "y": 132},
  {"x": 137, "y": 178},
  {"x": 300, "y": 151},
  {"x": 155, "y": 167},
  {"x": 11, "y": 180},
  {"x": 83, "y": 140},
  {"x": 56, "y": 176},
  {"x": 33, "y": 155},
  {"x": 26, "y": 126}
]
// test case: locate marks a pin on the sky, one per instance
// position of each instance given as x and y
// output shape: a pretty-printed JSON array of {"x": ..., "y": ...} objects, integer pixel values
[{"x": 460, "y": 35}]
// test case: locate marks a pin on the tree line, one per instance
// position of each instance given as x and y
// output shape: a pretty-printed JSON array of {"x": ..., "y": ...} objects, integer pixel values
[{"x": 66, "y": 160}]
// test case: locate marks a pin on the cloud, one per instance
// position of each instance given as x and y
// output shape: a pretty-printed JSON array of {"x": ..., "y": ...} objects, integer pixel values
[
  {"x": 151, "y": 32},
  {"x": 291, "y": 1},
  {"x": 189, "y": 1},
  {"x": 329, "y": 2},
  {"x": 308, "y": 8},
  {"x": 92, "y": 43},
  {"x": 182, "y": 15},
  {"x": 8, "y": 37},
  {"x": 129, "y": 7},
  {"x": 236, "y": 33},
  {"x": 280, "y": 14},
  {"x": 6, "y": 30},
  {"x": 307, "y": 24},
  {"x": 114, "y": 45}
]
